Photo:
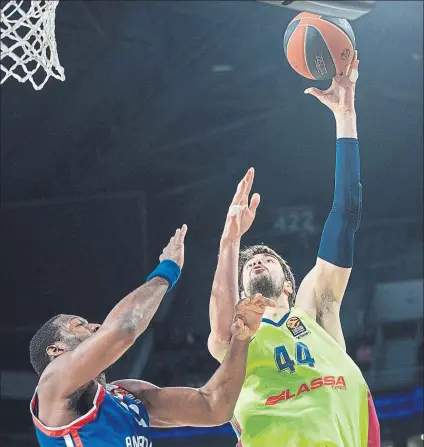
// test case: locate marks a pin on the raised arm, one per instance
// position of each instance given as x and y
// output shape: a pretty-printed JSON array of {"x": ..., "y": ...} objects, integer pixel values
[
  {"x": 212, "y": 404},
  {"x": 127, "y": 320},
  {"x": 225, "y": 290},
  {"x": 322, "y": 290}
]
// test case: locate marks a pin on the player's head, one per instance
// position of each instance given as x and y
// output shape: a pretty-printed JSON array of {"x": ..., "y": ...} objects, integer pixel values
[
  {"x": 262, "y": 270},
  {"x": 60, "y": 334}
]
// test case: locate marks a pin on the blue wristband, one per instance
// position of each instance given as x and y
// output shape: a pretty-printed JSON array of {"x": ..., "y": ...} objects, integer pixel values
[{"x": 168, "y": 270}]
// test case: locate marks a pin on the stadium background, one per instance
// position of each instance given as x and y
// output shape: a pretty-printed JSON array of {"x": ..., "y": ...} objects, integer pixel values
[{"x": 165, "y": 106}]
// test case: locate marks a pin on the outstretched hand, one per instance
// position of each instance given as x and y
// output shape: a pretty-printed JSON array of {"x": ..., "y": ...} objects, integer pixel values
[
  {"x": 248, "y": 316},
  {"x": 175, "y": 248},
  {"x": 340, "y": 97},
  {"x": 241, "y": 214}
]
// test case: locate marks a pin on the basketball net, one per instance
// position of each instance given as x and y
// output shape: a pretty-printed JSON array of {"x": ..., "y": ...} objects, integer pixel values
[{"x": 28, "y": 43}]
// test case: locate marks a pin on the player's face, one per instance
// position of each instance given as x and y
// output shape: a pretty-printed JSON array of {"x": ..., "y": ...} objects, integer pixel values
[
  {"x": 263, "y": 274},
  {"x": 76, "y": 329}
]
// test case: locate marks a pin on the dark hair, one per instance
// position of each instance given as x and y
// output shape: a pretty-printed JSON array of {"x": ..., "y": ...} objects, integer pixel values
[
  {"x": 248, "y": 252},
  {"x": 44, "y": 337}
]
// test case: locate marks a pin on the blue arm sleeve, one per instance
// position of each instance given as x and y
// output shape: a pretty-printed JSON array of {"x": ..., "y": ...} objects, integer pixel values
[{"x": 343, "y": 221}]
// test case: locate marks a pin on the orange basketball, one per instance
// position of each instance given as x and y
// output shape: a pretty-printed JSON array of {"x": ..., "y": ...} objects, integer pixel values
[{"x": 319, "y": 47}]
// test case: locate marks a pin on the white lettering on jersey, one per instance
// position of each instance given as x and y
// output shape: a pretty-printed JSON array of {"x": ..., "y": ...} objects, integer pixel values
[
  {"x": 137, "y": 441},
  {"x": 140, "y": 420},
  {"x": 135, "y": 409}
]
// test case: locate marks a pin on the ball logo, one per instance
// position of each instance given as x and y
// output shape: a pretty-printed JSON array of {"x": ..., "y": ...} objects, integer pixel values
[
  {"x": 296, "y": 327},
  {"x": 345, "y": 54}
]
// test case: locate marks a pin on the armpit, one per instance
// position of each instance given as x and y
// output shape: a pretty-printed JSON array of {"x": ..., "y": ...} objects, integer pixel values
[{"x": 325, "y": 303}]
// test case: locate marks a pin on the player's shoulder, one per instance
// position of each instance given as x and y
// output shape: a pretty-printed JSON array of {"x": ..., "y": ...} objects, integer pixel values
[
  {"x": 126, "y": 393},
  {"x": 132, "y": 388},
  {"x": 132, "y": 385},
  {"x": 49, "y": 410}
]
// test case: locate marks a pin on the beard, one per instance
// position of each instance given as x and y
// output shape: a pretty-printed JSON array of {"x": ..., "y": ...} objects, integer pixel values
[
  {"x": 73, "y": 342},
  {"x": 266, "y": 286},
  {"x": 101, "y": 378}
]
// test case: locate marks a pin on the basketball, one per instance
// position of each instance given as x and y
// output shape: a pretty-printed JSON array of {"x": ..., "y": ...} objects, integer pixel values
[{"x": 319, "y": 47}]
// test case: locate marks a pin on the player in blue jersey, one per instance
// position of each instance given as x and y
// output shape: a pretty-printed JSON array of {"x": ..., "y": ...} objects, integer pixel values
[{"x": 73, "y": 406}]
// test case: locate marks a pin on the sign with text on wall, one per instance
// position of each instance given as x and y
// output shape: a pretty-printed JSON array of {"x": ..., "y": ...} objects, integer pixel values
[{"x": 295, "y": 220}]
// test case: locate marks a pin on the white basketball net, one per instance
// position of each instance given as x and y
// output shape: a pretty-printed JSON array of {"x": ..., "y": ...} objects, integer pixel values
[{"x": 28, "y": 44}]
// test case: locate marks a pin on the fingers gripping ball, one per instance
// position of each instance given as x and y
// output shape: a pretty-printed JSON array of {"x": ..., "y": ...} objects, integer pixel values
[{"x": 319, "y": 47}]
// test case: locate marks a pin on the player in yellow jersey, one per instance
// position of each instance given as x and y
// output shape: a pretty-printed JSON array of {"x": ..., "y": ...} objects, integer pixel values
[{"x": 301, "y": 388}]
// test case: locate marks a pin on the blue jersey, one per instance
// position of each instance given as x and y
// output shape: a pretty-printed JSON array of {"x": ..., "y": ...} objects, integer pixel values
[{"x": 116, "y": 419}]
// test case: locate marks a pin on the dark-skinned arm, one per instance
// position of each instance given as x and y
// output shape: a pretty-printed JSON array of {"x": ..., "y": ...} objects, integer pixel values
[
  {"x": 126, "y": 321},
  {"x": 212, "y": 404}
]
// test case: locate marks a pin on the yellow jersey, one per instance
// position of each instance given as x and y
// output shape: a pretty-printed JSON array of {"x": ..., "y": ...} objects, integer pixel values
[{"x": 301, "y": 389}]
